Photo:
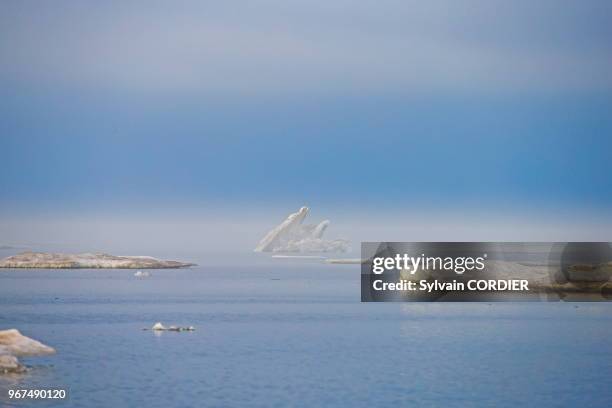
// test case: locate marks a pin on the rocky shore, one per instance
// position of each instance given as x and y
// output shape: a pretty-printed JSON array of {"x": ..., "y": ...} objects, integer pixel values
[
  {"x": 44, "y": 260},
  {"x": 13, "y": 344}
]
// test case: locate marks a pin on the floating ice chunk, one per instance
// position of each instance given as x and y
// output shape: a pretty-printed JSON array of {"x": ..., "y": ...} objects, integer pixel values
[
  {"x": 308, "y": 257},
  {"x": 142, "y": 274},
  {"x": 158, "y": 326},
  {"x": 347, "y": 261}
]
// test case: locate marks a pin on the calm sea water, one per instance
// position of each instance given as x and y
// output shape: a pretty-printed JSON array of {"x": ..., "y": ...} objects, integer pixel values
[{"x": 296, "y": 334}]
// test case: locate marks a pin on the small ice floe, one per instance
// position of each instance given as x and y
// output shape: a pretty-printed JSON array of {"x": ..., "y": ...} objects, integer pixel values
[
  {"x": 347, "y": 261},
  {"x": 142, "y": 274},
  {"x": 160, "y": 327},
  {"x": 307, "y": 257}
]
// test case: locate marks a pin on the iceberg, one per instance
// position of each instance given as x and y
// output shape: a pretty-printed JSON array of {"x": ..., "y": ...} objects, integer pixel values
[
  {"x": 159, "y": 327},
  {"x": 293, "y": 236}
]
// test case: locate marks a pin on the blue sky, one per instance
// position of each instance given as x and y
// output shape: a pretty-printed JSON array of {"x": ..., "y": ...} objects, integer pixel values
[{"x": 381, "y": 104}]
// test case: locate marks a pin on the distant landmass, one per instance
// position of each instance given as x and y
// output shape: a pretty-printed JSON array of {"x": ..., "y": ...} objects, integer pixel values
[{"x": 45, "y": 260}]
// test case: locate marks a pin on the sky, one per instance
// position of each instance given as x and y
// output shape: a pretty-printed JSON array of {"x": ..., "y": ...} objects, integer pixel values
[{"x": 237, "y": 109}]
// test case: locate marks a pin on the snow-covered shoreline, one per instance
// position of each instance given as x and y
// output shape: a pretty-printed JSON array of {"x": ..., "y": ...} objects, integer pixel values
[{"x": 45, "y": 260}]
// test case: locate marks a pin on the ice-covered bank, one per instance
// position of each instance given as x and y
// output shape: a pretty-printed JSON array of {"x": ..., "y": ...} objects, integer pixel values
[
  {"x": 45, "y": 260},
  {"x": 13, "y": 344}
]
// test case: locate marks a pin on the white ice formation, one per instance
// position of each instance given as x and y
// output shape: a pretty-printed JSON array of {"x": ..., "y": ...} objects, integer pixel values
[
  {"x": 13, "y": 344},
  {"x": 157, "y": 327},
  {"x": 293, "y": 236},
  {"x": 142, "y": 274}
]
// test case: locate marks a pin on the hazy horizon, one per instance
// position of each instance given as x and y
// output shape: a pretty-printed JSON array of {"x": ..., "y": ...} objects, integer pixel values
[
  {"x": 230, "y": 239},
  {"x": 239, "y": 113}
]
